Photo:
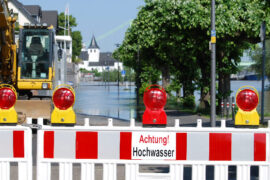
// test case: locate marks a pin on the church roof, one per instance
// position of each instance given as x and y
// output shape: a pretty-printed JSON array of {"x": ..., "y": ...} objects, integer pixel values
[
  {"x": 105, "y": 59},
  {"x": 93, "y": 44}
]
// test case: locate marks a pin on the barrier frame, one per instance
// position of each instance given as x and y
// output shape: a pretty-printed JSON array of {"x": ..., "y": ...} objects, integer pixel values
[
  {"x": 132, "y": 166},
  {"x": 24, "y": 164}
]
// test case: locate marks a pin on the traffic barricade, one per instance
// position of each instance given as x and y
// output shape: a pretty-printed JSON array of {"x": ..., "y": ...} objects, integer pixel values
[
  {"x": 177, "y": 147},
  {"x": 16, "y": 146}
]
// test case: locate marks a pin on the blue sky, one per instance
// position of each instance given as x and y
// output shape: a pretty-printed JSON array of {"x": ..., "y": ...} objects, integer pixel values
[{"x": 106, "y": 19}]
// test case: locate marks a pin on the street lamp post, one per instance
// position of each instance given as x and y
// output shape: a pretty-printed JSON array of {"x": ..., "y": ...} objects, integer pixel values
[{"x": 213, "y": 65}]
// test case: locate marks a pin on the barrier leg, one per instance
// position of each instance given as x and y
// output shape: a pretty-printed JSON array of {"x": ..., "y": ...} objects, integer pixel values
[
  {"x": 177, "y": 171},
  {"x": 25, "y": 171},
  {"x": 198, "y": 172},
  {"x": 65, "y": 171},
  {"x": 25, "y": 168},
  {"x": 4, "y": 170},
  {"x": 109, "y": 171},
  {"x": 131, "y": 171},
  {"x": 88, "y": 171},
  {"x": 43, "y": 171},
  {"x": 221, "y": 172},
  {"x": 264, "y": 172},
  {"x": 43, "y": 168},
  {"x": 243, "y": 172}
]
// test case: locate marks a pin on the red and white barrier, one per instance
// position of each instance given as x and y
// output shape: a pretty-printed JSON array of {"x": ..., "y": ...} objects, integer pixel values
[
  {"x": 134, "y": 146},
  {"x": 16, "y": 146}
]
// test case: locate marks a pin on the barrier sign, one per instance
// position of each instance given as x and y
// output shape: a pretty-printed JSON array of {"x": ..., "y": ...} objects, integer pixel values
[{"x": 153, "y": 145}]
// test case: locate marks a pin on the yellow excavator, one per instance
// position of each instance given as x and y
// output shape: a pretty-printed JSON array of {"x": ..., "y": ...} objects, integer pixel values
[{"x": 28, "y": 65}]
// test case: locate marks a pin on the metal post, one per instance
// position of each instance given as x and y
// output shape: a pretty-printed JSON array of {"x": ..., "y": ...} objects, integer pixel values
[
  {"x": 118, "y": 76},
  {"x": 138, "y": 82},
  {"x": 233, "y": 107},
  {"x": 263, "y": 28},
  {"x": 213, "y": 65}
]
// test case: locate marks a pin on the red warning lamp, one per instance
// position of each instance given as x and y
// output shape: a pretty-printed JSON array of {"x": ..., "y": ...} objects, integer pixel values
[
  {"x": 7, "y": 98},
  {"x": 63, "y": 98},
  {"x": 154, "y": 99},
  {"x": 247, "y": 99}
]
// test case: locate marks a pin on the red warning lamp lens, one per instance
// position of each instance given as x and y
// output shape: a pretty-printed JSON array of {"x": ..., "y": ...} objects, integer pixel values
[
  {"x": 63, "y": 98},
  {"x": 247, "y": 100},
  {"x": 7, "y": 98},
  {"x": 154, "y": 99}
]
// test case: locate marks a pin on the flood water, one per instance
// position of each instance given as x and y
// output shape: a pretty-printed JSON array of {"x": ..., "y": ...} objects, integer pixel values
[{"x": 93, "y": 99}]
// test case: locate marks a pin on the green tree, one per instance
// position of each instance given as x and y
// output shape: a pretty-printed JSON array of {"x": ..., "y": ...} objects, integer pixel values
[
  {"x": 62, "y": 25},
  {"x": 76, "y": 44},
  {"x": 173, "y": 37},
  {"x": 76, "y": 35}
]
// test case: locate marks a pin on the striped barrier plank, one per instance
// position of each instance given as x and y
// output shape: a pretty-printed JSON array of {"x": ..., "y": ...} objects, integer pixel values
[
  {"x": 133, "y": 146},
  {"x": 201, "y": 146}
]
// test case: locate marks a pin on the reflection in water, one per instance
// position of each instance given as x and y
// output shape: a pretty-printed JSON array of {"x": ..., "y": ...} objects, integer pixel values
[{"x": 108, "y": 101}]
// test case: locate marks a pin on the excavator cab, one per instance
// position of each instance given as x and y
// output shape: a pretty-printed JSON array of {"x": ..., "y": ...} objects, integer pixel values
[{"x": 35, "y": 58}]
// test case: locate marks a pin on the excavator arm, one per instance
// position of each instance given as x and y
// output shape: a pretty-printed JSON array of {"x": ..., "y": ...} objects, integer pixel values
[{"x": 7, "y": 45}]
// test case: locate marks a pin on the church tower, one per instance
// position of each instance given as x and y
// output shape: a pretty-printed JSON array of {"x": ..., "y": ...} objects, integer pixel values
[{"x": 93, "y": 51}]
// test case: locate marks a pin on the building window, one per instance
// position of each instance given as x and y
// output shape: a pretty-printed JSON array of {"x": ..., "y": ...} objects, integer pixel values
[
  {"x": 91, "y": 50},
  {"x": 94, "y": 50}
]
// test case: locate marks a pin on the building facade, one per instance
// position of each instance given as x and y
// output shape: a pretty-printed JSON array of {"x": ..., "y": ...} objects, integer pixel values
[
  {"x": 93, "y": 59},
  {"x": 65, "y": 43},
  {"x": 32, "y": 14}
]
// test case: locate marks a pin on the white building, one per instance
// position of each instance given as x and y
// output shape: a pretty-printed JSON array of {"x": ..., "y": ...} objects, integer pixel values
[
  {"x": 65, "y": 43},
  {"x": 93, "y": 59},
  {"x": 32, "y": 14}
]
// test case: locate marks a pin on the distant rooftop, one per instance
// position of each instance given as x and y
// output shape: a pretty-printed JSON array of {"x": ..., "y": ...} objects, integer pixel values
[
  {"x": 50, "y": 17},
  {"x": 33, "y": 9}
]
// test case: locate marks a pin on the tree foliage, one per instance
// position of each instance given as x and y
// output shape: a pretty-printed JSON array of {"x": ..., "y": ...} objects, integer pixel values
[
  {"x": 173, "y": 38},
  {"x": 76, "y": 35}
]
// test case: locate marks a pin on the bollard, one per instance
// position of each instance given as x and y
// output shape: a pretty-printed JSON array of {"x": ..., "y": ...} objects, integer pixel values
[
  {"x": 227, "y": 108},
  {"x": 222, "y": 108}
]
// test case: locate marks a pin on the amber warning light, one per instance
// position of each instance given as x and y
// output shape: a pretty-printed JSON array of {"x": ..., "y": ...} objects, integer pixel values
[
  {"x": 247, "y": 99},
  {"x": 154, "y": 100}
]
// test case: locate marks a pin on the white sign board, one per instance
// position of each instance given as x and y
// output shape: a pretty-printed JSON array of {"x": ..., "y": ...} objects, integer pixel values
[{"x": 153, "y": 145}]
